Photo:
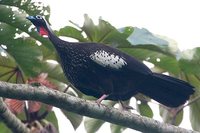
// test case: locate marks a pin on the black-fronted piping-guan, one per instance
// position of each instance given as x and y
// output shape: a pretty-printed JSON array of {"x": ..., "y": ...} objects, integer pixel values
[{"x": 107, "y": 73}]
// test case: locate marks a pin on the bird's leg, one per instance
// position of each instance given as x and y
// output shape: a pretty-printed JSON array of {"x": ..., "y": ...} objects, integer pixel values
[
  {"x": 124, "y": 106},
  {"x": 104, "y": 96}
]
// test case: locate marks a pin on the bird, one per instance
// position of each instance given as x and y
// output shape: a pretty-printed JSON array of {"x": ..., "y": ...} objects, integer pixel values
[{"x": 107, "y": 73}]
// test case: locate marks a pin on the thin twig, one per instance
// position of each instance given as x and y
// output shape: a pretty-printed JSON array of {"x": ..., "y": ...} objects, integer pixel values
[
  {"x": 189, "y": 103},
  {"x": 75, "y": 24},
  {"x": 69, "y": 85}
]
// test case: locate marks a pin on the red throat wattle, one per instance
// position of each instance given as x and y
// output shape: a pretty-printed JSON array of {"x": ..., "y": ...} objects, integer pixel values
[{"x": 43, "y": 31}]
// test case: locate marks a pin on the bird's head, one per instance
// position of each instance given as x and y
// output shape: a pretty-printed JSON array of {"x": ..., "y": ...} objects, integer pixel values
[{"x": 40, "y": 23}]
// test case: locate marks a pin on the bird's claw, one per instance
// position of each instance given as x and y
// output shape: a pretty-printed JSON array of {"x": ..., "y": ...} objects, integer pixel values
[
  {"x": 98, "y": 101},
  {"x": 126, "y": 107}
]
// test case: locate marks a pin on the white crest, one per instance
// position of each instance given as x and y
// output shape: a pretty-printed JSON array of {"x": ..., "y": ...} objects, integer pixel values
[{"x": 108, "y": 59}]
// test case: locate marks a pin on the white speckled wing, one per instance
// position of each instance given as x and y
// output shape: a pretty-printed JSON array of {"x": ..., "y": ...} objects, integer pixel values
[{"x": 107, "y": 59}]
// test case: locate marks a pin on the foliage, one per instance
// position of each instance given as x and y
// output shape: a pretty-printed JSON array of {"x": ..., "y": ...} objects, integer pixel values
[
  {"x": 21, "y": 58},
  {"x": 24, "y": 55}
]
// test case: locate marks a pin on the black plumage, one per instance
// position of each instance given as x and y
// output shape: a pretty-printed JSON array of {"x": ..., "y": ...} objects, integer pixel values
[{"x": 107, "y": 73}]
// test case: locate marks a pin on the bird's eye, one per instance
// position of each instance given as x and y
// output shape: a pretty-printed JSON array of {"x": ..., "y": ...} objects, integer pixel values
[{"x": 38, "y": 17}]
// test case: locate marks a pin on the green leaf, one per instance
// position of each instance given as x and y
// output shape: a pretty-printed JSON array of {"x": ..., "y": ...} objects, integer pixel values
[
  {"x": 142, "y": 98},
  {"x": 54, "y": 71},
  {"x": 4, "y": 128},
  {"x": 116, "y": 39},
  {"x": 143, "y": 36},
  {"x": 16, "y": 17},
  {"x": 195, "y": 107},
  {"x": 8, "y": 69},
  {"x": 166, "y": 62},
  {"x": 194, "y": 115},
  {"x": 144, "y": 109},
  {"x": 89, "y": 28},
  {"x": 92, "y": 125},
  {"x": 189, "y": 61},
  {"x": 105, "y": 33},
  {"x": 116, "y": 128},
  {"x": 71, "y": 32},
  {"x": 26, "y": 54},
  {"x": 189, "y": 66},
  {"x": 154, "y": 48},
  {"x": 169, "y": 116},
  {"x": 21, "y": 7},
  {"x": 29, "y": 6},
  {"x": 127, "y": 31},
  {"x": 75, "y": 119},
  {"x": 23, "y": 51}
]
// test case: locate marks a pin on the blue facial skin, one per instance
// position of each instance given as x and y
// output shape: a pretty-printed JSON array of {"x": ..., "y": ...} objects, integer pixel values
[
  {"x": 30, "y": 17},
  {"x": 38, "y": 21}
]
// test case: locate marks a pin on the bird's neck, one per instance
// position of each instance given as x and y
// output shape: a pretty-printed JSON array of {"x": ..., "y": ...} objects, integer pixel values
[
  {"x": 63, "y": 48},
  {"x": 51, "y": 35},
  {"x": 57, "y": 42}
]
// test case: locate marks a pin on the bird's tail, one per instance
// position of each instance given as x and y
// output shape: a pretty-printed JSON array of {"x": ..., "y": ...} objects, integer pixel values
[{"x": 167, "y": 90}]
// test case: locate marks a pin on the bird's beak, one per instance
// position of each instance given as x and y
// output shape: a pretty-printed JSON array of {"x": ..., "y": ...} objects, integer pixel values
[{"x": 30, "y": 18}]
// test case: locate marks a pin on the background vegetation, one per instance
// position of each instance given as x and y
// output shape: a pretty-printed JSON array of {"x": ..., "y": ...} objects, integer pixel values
[{"x": 26, "y": 57}]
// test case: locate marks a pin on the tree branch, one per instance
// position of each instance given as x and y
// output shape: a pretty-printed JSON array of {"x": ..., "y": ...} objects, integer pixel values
[
  {"x": 10, "y": 119},
  {"x": 87, "y": 108}
]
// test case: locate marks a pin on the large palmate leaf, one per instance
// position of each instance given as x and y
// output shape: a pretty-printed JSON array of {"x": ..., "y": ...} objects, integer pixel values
[
  {"x": 51, "y": 117},
  {"x": 143, "y": 36},
  {"x": 20, "y": 56},
  {"x": 116, "y": 128},
  {"x": 23, "y": 50},
  {"x": 54, "y": 71},
  {"x": 195, "y": 107},
  {"x": 144, "y": 109},
  {"x": 29, "y": 62},
  {"x": 166, "y": 62},
  {"x": 17, "y": 20},
  {"x": 72, "y": 32},
  {"x": 170, "y": 116},
  {"x": 190, "y": 61},
  {"x": 9, "y": 71},
  {"x": 75, "y": 119},
  {"x": 29, "y": 6},
  {"x": 92, "y": 125},
  {"x": 104, "y": 32}
]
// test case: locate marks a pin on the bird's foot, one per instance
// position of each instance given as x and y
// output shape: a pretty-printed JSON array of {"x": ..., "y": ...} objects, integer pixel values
[
  {"x": 98, "y": 101},
  {"x": 126, "y": 107}
]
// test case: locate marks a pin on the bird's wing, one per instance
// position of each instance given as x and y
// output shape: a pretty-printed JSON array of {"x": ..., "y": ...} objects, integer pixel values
[
  {"x": 118, "y": 61},
  {"x": 108, "y": 60}
]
